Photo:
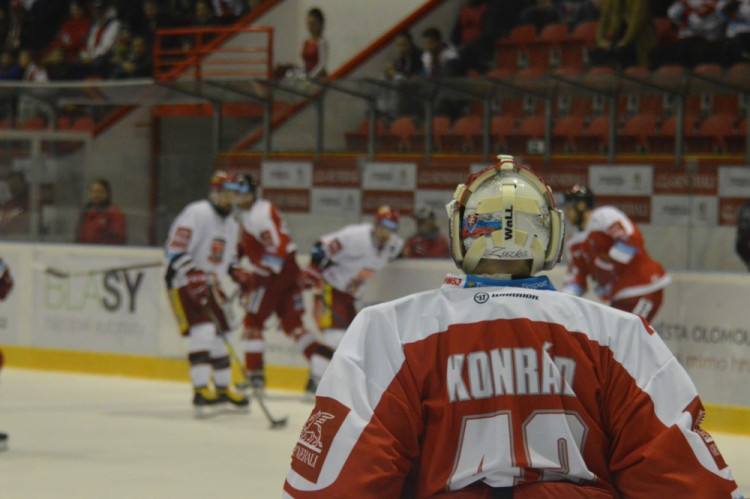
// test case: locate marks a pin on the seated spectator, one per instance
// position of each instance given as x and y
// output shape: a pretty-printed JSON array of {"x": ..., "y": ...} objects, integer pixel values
[
  {"x": 428, "y": 242},
  {"x": 101, "y": 222},
  {"x": 137, "y": 63},
  {"x": 228, "y": 10},
  {"x": 699, "y": 35},
  {"x": 736, "y": 45},
  {"x": 626, "y": 34},
  {"x": 479, "y": 25},
  {"x": 32, "y": 70},
  {"x": 58, "y": 68},
  {"x": 100, "y": 39},
  {"x": 73, "y": 32},
  {"x": 403, "y": 71},
  {"x": 14, "y": 212},
  {"x": 438, "y": 58},
  {"x": 204, "y": 15},
  {"x": 570, "y": 12},
  {"x": 9, "y": 68}
]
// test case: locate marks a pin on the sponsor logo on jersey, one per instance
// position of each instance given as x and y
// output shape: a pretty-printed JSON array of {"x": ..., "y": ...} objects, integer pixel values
[
  {"x": 218, "y": 246},
  {"x": 316, "y": 437},
  {"x": 481, "y": 297},
  {"x": 452, "y": 281},
  {"x": 181, "y": 238}
]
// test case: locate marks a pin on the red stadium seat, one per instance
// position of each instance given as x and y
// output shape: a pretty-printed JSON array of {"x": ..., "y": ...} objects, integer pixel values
[
  {"x": 545, "y": 51},
  {"x": 397, "y": 137},
  {"x": 84, "y": 124},
  {"x": 500, "y": 128},
  {"x": 633, "y": 136},
  {"x": 462, "y": 137},
  {"x": 357, "y": 141},
  {"x": 530, "y": 128},
  {"x": 663, "y": 139},
  {"x": 34, "y": 123},
  {"x": 736, "y": 141},
  {"x": 574, "y": 52},
  {"x": 512, "y": 52},
  {"x": 563, "y": 132},
  {"x": 595, "y": 138},
  {"x": 710, "y": 135}
]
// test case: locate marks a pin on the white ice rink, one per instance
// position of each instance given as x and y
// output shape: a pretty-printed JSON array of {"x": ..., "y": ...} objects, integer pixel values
[{"x": 79, "y": 436}]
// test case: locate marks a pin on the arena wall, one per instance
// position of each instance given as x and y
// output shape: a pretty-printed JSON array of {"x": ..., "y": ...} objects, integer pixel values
[{"x": 120, "y": 323}]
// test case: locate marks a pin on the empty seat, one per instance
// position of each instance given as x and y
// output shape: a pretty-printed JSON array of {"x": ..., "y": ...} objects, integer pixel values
[
  {"x": 529, "y": 128},
  {"x": 441, "y": 125},
  {"x": 595, "y": 138},
  {"x": 84, "y": 124},
  {"x": 500, "y": 127},
  {"x": 397, "y": 137},
  {"x": 563, "y": 132},
  {"x": 545, "y": 50},
  {"x": 357, "y": 140},
  {"x": 513, "y": 51},
  {"x": 575, "y": 50},
  {"x": 736, "y": 141},
  {"x": 710, "y": 134},
  {"x": 633, "y": 136},
  {"x": 462, "y": 137},
  {"x": 662, "y": 140},
  {"x": 34, "y": 123}
]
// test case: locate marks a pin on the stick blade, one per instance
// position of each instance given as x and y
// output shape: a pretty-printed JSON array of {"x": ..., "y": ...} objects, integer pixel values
[
  {"x": 55, "y": 272},
  {"x": 278, "y": 424}
]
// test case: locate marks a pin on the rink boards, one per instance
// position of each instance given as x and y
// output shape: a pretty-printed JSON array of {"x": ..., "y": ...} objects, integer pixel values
[{"x": 120, "y": 322}]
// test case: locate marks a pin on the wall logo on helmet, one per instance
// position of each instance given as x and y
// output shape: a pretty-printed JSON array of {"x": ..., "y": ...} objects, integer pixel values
[
  {"x": 481, "y": 297},
  {"x": 509, "y": 223}
]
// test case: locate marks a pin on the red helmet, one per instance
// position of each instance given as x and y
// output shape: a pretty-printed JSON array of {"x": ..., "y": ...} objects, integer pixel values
[
  {"x": 387, "y": 217},
  {"x": 225, "y": 181}
]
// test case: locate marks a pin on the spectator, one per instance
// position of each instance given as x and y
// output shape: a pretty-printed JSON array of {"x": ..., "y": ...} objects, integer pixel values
[
  {"x": 101, "y": 222},
  {"x": 57, "y": 67},
  {"x": 428, "y": 242},
  {"x": 480, "y": 23},
  {"x": 736, "y": 45},
  {"x": 315, "y": 48},
  {"x": 32, "y": 70},
  {"x": 155, "y": 18},
  {"x": 16, "y": 36},
  {"x": 341, "y": 263},
  {"x": 204, "y": 15},
  {"x": 228, "y": 10},
  {"x": 626, "y": 34},
  {"x": 73, "y": 32},
  {"x": 609, "y": 249},
  {"x": 700, "y": 31},
  {"x": 15, "y": 216},
  {"x": 403, "y": 71},
  {"x": 100, "y": 39},
  {"x": 570, "y": 12},
  {"x": 497, "y": 386},
  {"x": 438, "y": 58},
  {"x": 138, "y": 63},
  {"x": 742, "y": 243},
  {"x": 9, "y": 69}
]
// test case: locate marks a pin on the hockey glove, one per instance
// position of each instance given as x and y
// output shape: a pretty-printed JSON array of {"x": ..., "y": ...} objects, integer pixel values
[
  {"x": 243, "y": 277},
  {"x": 198, "y": 286}
]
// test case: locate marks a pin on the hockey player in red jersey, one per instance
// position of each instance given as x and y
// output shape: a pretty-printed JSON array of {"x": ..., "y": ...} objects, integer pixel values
[
  {"x": 341, "y": 264},
  {"x": 274, "y": 287},
  {"x": 610, "y": 249},
  {"x": 496, "y": 385},
  {"x": 201, "y": 251},
  {"x": 428, "y": 242},
  {"x": 6, "y": 284}
]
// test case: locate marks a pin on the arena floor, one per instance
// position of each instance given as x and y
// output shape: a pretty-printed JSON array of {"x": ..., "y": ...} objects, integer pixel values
[{"x": 81, "y": 436}]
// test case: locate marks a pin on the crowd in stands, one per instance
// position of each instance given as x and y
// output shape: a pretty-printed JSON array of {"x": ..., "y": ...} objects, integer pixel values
[{"x": 54, "y": 40}]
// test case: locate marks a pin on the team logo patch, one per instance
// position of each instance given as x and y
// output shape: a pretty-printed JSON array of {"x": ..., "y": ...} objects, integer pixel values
[
  {"x": 481, "y": 297},
  {"x": 181, "y": 238},
  {"x": 217, "y": 250},
  {"x": 315, "y": 439}
]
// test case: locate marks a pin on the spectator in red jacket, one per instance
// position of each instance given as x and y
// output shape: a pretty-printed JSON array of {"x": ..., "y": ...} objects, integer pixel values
[
  {"x": 428, "y": 242},
  {"x": 74, "y": 31},
  {"x": 101, "y": 222}
]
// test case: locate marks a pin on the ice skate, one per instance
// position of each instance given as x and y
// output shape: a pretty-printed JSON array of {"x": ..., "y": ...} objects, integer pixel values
[
  {"x": 311, "y": 388},
  {"x": 204, "y": 402},
  {"x": 231, "y": 395},
  {"x": 255, "y": 381}
]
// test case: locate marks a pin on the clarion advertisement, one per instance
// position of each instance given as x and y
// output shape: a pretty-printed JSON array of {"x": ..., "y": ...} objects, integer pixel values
[
  {"x": 335, "y": 201},
  {"x": 289, "y": 200},
  {"x": 637, "y": 208},
  {"x": 621, "y": 180},
  {"x": 401, "y": 201},
  {"x": 389, "y": 176},
  {"x": 684, "y": 210},
  {"x": 287, "y": 174}
]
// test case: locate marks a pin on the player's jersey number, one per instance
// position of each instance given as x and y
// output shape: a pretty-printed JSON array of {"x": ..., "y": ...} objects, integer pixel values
[{"x": 551, "y": 441}]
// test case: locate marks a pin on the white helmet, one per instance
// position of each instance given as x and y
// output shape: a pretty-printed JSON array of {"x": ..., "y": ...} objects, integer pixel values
[{"x": 505, "y": 212}]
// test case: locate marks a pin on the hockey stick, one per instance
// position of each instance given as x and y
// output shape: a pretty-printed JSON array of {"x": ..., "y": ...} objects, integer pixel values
[
  {"x": 275, "y": 423},
  {"x": 63, "y": 274}
]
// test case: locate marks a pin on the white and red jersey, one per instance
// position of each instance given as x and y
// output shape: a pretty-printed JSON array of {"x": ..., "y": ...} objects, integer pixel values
[
  {"x": 506, "y": 384},
  {"x": 204, "y": 235},
  {"x": 265, "y": 239},
  {"x": 612, "y": 252},
  {"x": 355, "y": 257}
]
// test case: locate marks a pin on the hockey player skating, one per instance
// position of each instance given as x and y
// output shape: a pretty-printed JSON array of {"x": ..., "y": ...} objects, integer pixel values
[
  {"x": 428, "y": 242},
  {"x": 201, "y": 251},
  {"x": 6, "y": 284},
  {"x": 496, "y": 385},
  {"x": 274, "y": 287},
  {"x": 609, "y": 249},
  {"x": 340, "y": 264}
]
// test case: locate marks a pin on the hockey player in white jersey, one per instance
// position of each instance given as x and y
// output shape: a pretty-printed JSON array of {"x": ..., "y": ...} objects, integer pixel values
[
  {"x": 498, "y": 386},
  {"x": 341, "y": 264},
  {"x": 6, "y": 284},
  {"x": 201, "y": 251}
]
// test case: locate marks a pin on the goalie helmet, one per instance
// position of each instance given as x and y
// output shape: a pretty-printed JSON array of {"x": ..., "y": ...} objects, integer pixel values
[
  {"x": 505, "y": 212},
  {"x": 387, "y": 217}
]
